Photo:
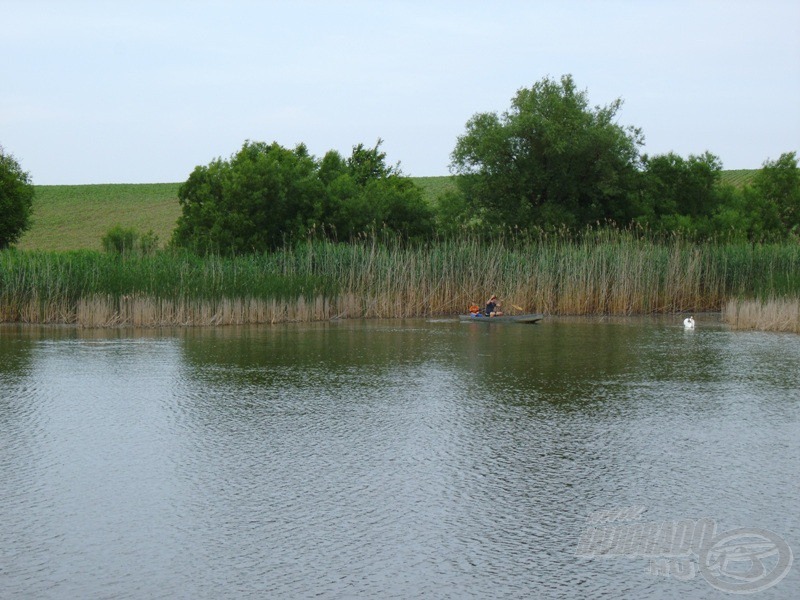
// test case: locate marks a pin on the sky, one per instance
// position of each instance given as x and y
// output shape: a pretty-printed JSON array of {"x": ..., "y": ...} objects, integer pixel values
[{"x": 142, "y": 92}]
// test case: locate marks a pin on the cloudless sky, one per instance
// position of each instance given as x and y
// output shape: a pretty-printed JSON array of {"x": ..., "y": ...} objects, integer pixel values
[{"x": 142, "y": 92}]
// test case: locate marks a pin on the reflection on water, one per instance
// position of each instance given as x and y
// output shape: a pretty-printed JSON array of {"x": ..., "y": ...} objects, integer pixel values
[{"x": 387, "y": 458}]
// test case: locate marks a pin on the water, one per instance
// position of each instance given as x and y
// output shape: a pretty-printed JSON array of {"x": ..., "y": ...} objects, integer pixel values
[{"x": 389, "y": 459}]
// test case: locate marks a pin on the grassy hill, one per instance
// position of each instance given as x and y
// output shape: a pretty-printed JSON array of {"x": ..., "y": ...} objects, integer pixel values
[
  {"x": 738, "y": 177},
  {"x": 71, "y": 217}
]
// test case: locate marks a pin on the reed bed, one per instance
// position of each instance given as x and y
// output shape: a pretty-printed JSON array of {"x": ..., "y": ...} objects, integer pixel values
[
  {"x": 605, "y": 272},
  {"x": 773, "y": 314}
]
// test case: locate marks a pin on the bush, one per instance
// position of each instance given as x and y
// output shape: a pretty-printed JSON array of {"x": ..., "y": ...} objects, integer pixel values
[
  {"x": 266, "y": 197},
  {"x": 126, "y": 240},
  {"x": 16, "y": 199}
]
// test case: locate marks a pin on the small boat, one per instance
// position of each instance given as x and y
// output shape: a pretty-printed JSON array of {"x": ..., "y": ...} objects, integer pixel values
[{"x": 481, "y": 318}]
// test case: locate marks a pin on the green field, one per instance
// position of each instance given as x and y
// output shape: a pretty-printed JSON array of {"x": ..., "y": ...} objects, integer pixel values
[
  {"x": 74, "y": 217},
  {"x": 738, "y": 177}
]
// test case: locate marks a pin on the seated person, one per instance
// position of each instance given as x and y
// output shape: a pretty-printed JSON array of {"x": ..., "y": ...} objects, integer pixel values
[{"x": 493, "y": 307}]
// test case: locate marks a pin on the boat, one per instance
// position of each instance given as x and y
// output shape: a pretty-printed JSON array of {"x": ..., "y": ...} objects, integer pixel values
[{"x": 481, "y": 318}]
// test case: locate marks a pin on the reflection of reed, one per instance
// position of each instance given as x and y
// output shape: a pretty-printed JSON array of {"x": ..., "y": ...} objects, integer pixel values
[
  {"x": 775, "y": 314},
  {"x": 603, "y": 273}
]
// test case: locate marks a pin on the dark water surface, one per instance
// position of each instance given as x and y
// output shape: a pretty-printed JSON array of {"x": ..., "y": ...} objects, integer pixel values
[{"x": 389, "y": 459}]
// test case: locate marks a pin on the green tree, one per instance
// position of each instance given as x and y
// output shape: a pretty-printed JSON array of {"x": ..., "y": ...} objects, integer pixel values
[
  {"x": 369, "y": 164},
  {"x": 680, "y": 193},
  {"x": 364, "y": 193},
  {"x": 549, "y": 160},
  {"x": 266, "y": 196},
  {"x": 775, "y": 194},
  {"x": 261, "y": 198},
  {"x": 768, "y": 208},
  {"x": 16, "y": 199}
]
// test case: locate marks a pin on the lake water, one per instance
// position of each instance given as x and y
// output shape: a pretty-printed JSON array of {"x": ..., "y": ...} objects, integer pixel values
[{"x": 398, "y": 459}]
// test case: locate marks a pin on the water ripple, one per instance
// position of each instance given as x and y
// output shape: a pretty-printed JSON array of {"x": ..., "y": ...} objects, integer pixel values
[{"x": 375, "y": 459}]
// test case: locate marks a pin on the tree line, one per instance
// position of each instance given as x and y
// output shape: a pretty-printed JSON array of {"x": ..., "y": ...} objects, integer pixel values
[
  {"x": 266, "y": 196},
  {"x": 549, "y": 162}
]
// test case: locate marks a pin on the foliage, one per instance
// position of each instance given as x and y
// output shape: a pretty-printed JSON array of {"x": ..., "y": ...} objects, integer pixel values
[
  {"x": 364, "y": 194},
  {"x": 767, "y": 207},
  {"x": 680, "y": 194},
  {"x": 454, "y": 216},
  {"x": 550, "y": 160},
  {"x": 259, "y": 199},
  {"x": 777, "y": 184},
  {"x": 266, "y": 196},
  {"x": 369, "y": 164},
  {"x": 16, "y": 199}
]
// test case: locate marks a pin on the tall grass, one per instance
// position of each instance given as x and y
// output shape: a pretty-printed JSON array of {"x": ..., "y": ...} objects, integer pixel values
[
  {"x": 68, "y": 287},
  {"x": 605, "y": 272},
  {"x": 771, "y": 314}
]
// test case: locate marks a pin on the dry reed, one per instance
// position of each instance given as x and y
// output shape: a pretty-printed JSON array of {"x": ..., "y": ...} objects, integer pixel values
[{"x": 773, "y": 314}]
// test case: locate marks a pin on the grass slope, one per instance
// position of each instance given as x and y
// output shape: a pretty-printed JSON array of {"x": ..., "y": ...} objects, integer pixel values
[
  {"x": 738, "y": 177},
  {"x": 74, "y": 217}
]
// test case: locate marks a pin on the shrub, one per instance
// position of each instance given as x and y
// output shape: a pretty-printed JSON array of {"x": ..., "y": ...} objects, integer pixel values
[
  {"x": 126, "y": 240},
  {"x": 16, "y": 199}
]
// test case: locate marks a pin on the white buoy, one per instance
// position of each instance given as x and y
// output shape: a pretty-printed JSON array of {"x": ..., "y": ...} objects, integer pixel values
[{"x": 688, "y": 323}]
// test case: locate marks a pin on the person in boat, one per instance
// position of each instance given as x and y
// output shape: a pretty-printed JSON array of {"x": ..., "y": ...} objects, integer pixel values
[{"x": 493, "y": 307}]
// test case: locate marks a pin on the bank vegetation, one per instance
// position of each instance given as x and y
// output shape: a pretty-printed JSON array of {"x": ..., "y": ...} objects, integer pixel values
[
  {"x": 603, "y": 272},
  {"x": 552, "y": 205},
  {"x": 769, "y": 314}
]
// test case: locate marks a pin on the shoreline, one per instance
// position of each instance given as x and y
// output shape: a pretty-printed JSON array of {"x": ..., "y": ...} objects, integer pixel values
[
  {"x": 144, "y": 313},
  {"x": 605, "y": 273},
  {"x": 773, "y": 314}
]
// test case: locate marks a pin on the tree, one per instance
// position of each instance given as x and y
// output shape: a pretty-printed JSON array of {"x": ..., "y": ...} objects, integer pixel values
[
  {"x": 768, "y": 208},
  {"x": 369, "y": 164},
  {"x": 364, "y": 193},
  {"x": 264, "y": 196},
  {"x": 549, "y": 160},
  {"x": 775, "y": 194},
  {"x": 16, "y": 200},
  {"x": 680, "y": 193}
]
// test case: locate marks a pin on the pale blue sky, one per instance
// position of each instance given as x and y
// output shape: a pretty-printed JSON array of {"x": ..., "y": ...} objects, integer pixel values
[{"x": 142, "y": 92}]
